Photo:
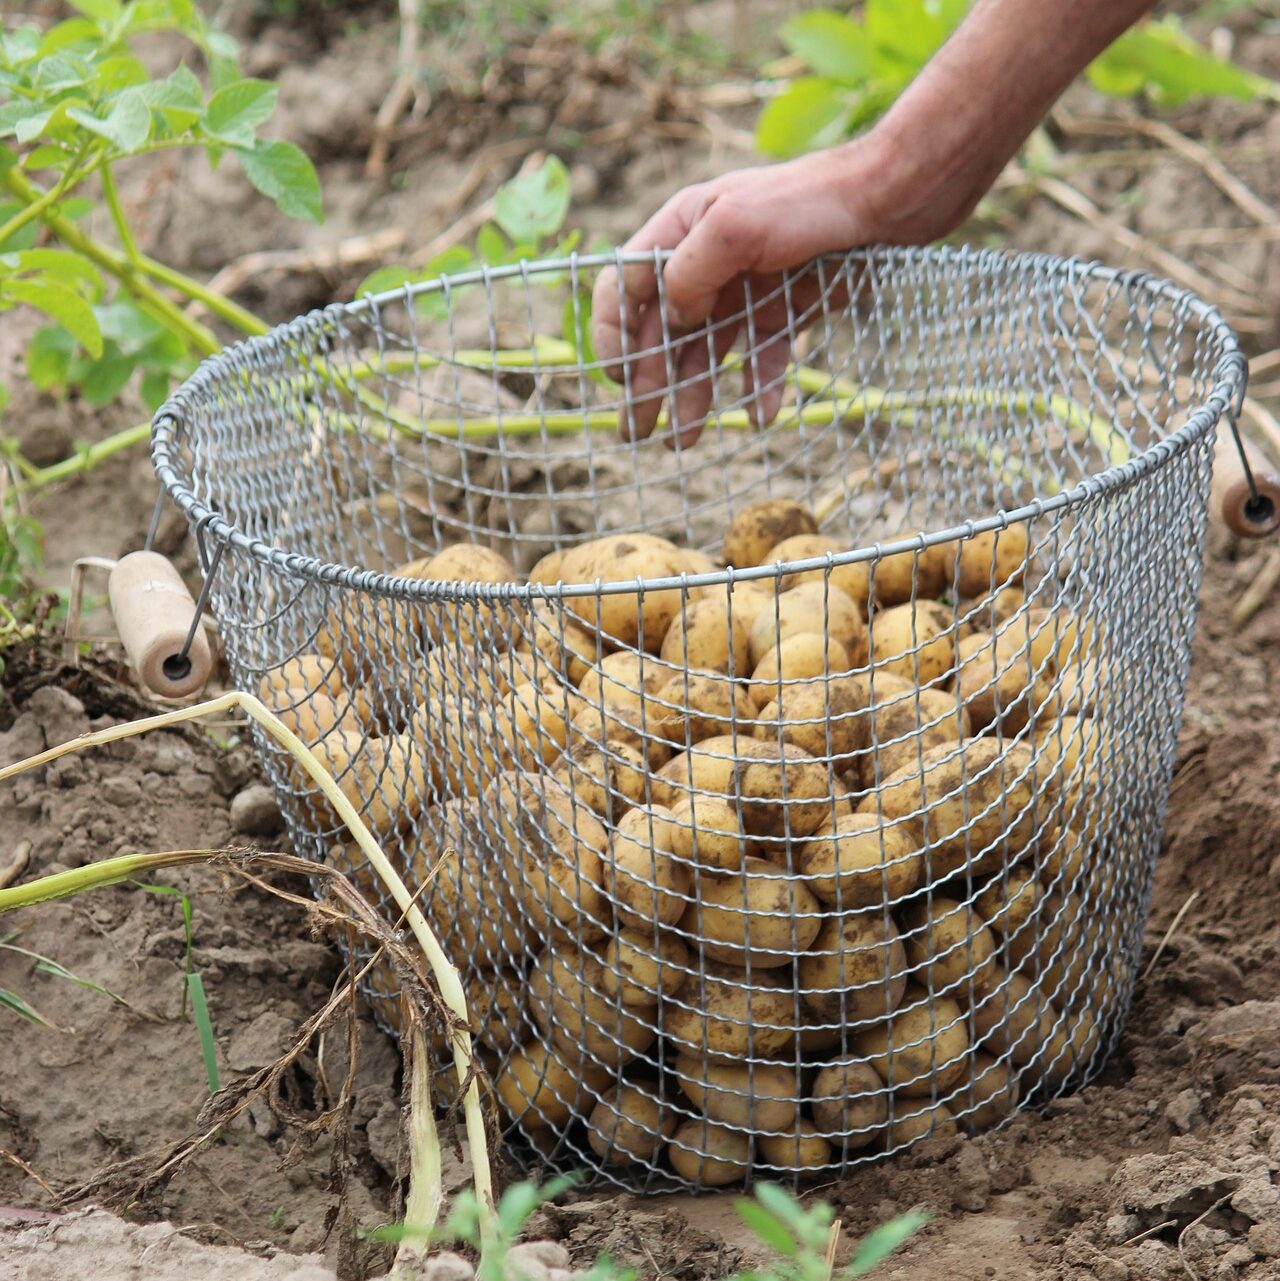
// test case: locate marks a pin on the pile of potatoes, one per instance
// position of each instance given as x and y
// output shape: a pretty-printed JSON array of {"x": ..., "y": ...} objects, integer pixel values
[{"x": 748, "y": 878}]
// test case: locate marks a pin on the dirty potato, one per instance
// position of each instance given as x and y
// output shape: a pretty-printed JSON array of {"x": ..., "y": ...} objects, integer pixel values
[
  {"x": 849, "y": 1104},
  {"x": 854, "y": 580},
  {"x": 709, "y": 636},
  {"x": 720, "y": 1015},
  {"x": 923, "y": 1049},
  {"x": 856, "y": 970},
  {"x": 762, "y": 525},
  {"x": 627, "y": 618},
  {"x": 810, "y": 607},
  {"x": 860, "y": 862},
  {"x": 987, "y": 561}
]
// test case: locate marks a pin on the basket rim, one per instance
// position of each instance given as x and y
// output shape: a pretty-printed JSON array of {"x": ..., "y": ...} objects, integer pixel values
[{"x": 1230, "y": 375}]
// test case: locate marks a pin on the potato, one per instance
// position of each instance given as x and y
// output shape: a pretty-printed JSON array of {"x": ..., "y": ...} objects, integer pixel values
[
  {"x": 854, "y": 580},
  {"x": 932, "y": 1121},
  {"x": 310, "y": 673},
  {"x": 924, "y": 1047},
  {"x": 861, "y": 862},
  {"x": 569, "y": 1004},
  {"x": 829, "y": 719},
  {"x": 608, "y": 780},
  {"x": 468, "y": 746},
  {"x": 708, "y": 636},
  {"x": 916, "y": 642},
  {"x": 546, "y": 570},
  {"x": 802, "y": 1149},
  {"x": 720, "y": 1015},
  {"x": 757, "y": 914},
  {"x": 640, "y": 973},
  {"x": 949, "y": 947},
  {"x": 987, "y": 1095},
  {"x": 314, "y": 716},
  {"x": 645, "y": 729},
  {"x": 1013, "y": 1019},
  {"x": 623, "y": 680},
  {"x": 553, "y": 848},
  {"x": 710, "y": 768},
  {"x": 991, "y": 559},
  {"x": 558, "y": 644},
  {"x": 476, "y": 679},
  {"x": 707, "y": 831},
  {"x": 997, "y": 684},
  {"x": 976, "y": 803},
  {"x": 708, "y": 1154},
  {"x": 1010, "y": 901},
  {"x": 810, "y": 608},
  {"x": 538, "y": 733},
  {"x": 758, "y": 1096},
  {"x": 856, "y": 970},
  {"x": 384, "y": 779},
  {"x": 365, "y": 634},
  {"x": 471, "y": 623},
  {"x": 476, "y": 915},
  {"x": 1071, "y": 1049},
  {"x": 629, "y": 1125},
  {"x": 850, "y": 1104},
  {"x": 702, "y": 705},
  {"x": 906, "y": 723},
  {"x": 1060, "y": 639},
  {"x": 762, "y": 525},
  {"x": 797, "y": 658},
  {"x": 693, "y": 562},
  {"x": 627, "y": 618},
  {"x": 542, "y": 1087},
  {"x": 645, "y": 884},
  {"x": 905, "y": 576},
  {"x": 784, "y": 792},
  {"x": 817, "y": 1037},
  {"x": 495, "y": 1009},
  {"x": 990, "y": 610}
]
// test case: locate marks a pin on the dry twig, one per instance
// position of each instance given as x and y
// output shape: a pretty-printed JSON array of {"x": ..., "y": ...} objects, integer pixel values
[
  {"x": 1168, "y": 934},
  {"x": 16, "y": 865},
  {"x": 402, "y": 93},
  {"x": 14, "y": 1159},
  {"x": 1256, "y": 595}
]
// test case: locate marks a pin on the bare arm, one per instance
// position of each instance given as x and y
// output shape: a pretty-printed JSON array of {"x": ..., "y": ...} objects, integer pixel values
[{"x": 914, "y": 177}]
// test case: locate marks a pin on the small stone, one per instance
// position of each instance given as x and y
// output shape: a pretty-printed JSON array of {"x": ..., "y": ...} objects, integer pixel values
[
  {"x": 261, "y": 1043},
  {"x": 167, "y": 755},
  {"x": 1259, "y": 1200},
  {"x": 61, "y": 715},
  {"x": 537, "y": 1261},
  {"x": 1238, "y": 1256},
  {"x": 1265, "y": 1239},
  {"x": 1151, "y": 1259},
  {"x": 1120, "y": 1228},
  {"x": 121, "y": 791},
  {"x": 447, "y": 1266},
  {"x": 1183, "y": 1111},
  {"x": 254, "y": 812}
]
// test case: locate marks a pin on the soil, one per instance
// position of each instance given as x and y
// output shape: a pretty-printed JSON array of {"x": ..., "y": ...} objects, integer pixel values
[{"x": 1167, "y": 1166}]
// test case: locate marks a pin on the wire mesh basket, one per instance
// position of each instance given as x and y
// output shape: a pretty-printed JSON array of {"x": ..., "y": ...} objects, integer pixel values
[{"x": 784, "y": 798}]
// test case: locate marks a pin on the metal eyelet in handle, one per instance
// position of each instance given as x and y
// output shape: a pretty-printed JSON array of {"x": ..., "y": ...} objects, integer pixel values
[{"x": 1246, "y": 492}]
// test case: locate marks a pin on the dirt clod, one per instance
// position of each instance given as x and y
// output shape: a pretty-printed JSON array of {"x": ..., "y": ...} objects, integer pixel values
[{"x": 254, "y": 812}]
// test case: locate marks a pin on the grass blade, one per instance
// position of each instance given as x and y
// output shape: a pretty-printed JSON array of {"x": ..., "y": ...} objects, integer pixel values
[{"x": 200, "y": 1011}]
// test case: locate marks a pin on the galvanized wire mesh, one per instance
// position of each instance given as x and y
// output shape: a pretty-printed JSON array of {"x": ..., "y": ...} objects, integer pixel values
[{"x": 769, "y": 869}]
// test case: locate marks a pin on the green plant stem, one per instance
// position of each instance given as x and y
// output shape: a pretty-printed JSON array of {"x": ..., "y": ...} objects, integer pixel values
[
  {"x": 202, "y": 339},
  {"x": 217, "y": 303},
  {"x": 123, "y": 230},
  {"x": 85, "y": 460},
  {"x": 68, "y": 182}
]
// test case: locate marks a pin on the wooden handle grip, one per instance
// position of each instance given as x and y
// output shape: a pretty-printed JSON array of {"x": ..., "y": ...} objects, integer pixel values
[
  {"x": 1231, "y": 499},
  {"x": 153, "y": 612}
]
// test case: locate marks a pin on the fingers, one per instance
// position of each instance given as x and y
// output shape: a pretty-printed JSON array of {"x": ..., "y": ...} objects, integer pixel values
[
  {"x": 764, "y": 376},
  {"x": 721, "y": 246},
  {"x": 697, "y": 372},
  {"x": 645, "y": 378}
]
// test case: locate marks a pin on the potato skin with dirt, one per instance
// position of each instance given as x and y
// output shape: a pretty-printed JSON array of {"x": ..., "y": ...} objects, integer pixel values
[
  {"x": 763, "y": 525},
  {"x": 783, "y": 792},
  {"x": 709, "y": 636},
  {"x": 623, "y": 558},
  {"x": 467, "y": 624},
  {"x": 916, "y": 642},
  {"x": 710, "y": 1154},
  {"x": 856, "y": 970},
  {"x": 640, "y": 973},
  {"x": 810, "y": 607},
  {"x": 645, "y": 884},
  {"x": 902, "y": 576},
  {"x": 854, "y": 580},
  {"x": 992, "y": 559},
  {"x": 762, "y": 1096},
  {"x": 860, "y": 862},
  {"x": 629, "y": 1125},
  {"x": 801, "y": 657},
  {"x": 802, "y": 1149},
  {"x": 829, "y": 719},
  {"x": 923, "y": 1049},
  {"x": 757, "y": 914},
  {"x": 728, "y": 1019},
  {"x": 949, "y": 947},
  {"x": 849, "y": 1103},
  {"x": 969, "y": 793},
  {"x": 542, "y": 1087}
]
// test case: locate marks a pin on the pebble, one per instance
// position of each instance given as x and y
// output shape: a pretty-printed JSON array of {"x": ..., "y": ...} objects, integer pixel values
[
  {"x": 120, "y": 790},
  {"x": 254, "y": 812},
  {"x": 1122, "y": 1227},
  {"x": 446, "y": 1266},
  {"x": 1183, "y": 1111},
  {"x": 537, "y": 1261}
]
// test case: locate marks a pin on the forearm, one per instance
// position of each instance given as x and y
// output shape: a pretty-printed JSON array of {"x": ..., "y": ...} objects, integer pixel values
[{"x": 964, "y": 117}]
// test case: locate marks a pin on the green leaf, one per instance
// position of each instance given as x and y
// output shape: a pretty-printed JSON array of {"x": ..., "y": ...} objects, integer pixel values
[
  {"x": 121, "y": 72},
  {"x": 127, "y": 126},
  {"x": 68, "y": 34},
  {"x": 178, "y": 98},
  {"x": 48, "y": 156},
  {"x": 883, "y": 1241},
  {"x": 224, "y": 60},
  {"x": 103, "y": 12},
  {"x": 103, "y": 379},
  {"x": 127, "y": 325},
  {"x": 49, "y": 355},
  {"x": 766, "y": 1227},
  {"x": 490, "y": 245},
  {"x": 235, "y": 111},
  {"x": 62, "y": 262},
  {"x": 154, "y": 389},
  {"x": 25, "y": 128},
  {"x": 535, "y": 205},
  {"x": 161, "y": 15},
  {"x": 384, "y": 279},
  {"x": 60, "y": 304},
  {"x": 12, "y": 1001},
  {"x": 832, "y": 44},
  {"x": 4, "y": 397},
  {"x": 518, "y": 1202},
  {"x": 806, "y": 111},
  {"x": 59, "y": 73},
  {"x": 24, "y": 237},
  {"x": 904, "y": 35},
  {"x": 283, "y": 173}
]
